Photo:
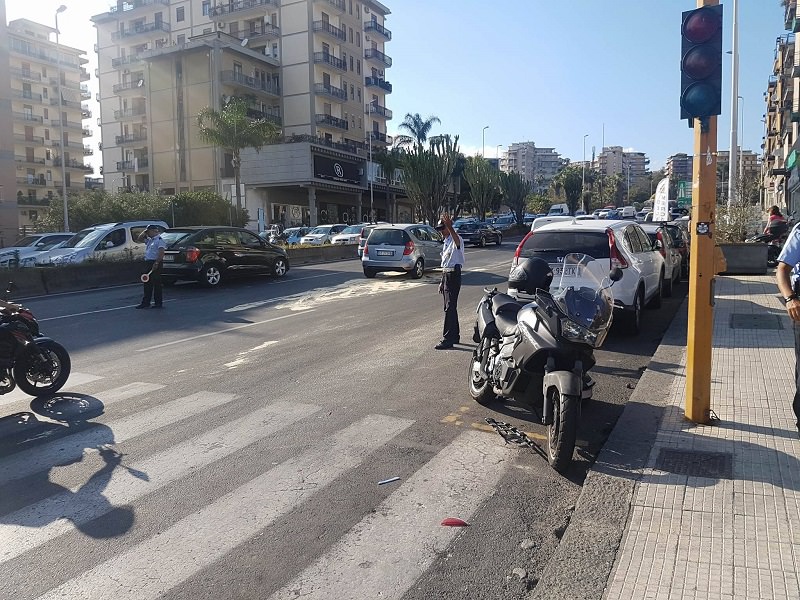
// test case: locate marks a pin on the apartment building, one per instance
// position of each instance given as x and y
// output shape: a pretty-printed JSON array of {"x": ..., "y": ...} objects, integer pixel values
[
  {"x": 679, "y": 167},
  {"x": 538, "y": 166},
  {"x": 631, "y": 166},
  {"x": 46, "y": 129},
  {"x": 316, "y": 67}
]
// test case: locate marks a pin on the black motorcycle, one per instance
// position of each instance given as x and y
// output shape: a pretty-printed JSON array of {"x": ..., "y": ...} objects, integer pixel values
[
  {"x": 39, "y": 365},
  {"x": 540, "y": 353}
]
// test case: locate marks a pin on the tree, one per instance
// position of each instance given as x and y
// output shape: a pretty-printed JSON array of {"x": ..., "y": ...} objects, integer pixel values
[
  {"x": 428, "y": 174},
  {"x": 482, "y": 179},
  {"x": 537, "y": 203},
  {"x": 515, "y": 193},
  {"x": 389, "y": 160},
  {"x": 417, "y": 128},
  {"x": 231, "y": 128},
  {"x": 570, "y": 179}
]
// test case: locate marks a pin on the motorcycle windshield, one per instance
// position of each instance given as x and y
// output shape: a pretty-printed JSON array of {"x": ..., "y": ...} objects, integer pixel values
[{"x": 582, "y": 290}]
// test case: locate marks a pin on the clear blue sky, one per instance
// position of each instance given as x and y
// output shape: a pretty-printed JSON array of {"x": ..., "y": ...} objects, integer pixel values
[{"x": 548, "y": 71}]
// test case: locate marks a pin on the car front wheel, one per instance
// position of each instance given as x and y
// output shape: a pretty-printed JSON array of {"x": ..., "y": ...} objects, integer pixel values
[{"x": 211, "y": 275}]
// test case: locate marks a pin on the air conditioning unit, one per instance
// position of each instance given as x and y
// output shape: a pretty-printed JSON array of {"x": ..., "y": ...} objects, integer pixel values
[{"x": 220, "y": 24}]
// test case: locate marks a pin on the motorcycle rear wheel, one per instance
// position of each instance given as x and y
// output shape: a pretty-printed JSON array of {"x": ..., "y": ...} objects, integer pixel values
[
  {"x": 561, "y": 433},
  {"x": 43, "y": 379},
  {"x": 773, "y": 252},
  {"x": 479, "y": 388}
]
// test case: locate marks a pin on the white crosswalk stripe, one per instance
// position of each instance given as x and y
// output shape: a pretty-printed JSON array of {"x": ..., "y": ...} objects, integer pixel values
[{"x": 75, "y": 380}]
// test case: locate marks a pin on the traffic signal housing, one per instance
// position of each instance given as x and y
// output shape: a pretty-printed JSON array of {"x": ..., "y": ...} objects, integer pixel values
[{"x": 701, "y": 63}]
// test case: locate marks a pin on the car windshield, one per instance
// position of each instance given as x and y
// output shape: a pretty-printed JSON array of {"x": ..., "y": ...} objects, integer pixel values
[
  {"x": 352, "y": 229},
  {"x": 390, "y": 237},
  {"x": 173, "y": 237},
  {"x": 28, "y": 240},
  {"x": 293, "y": 231},
  {"x": 503, "y": 220},
  {"x": 85, "y": 238},
  {"x": 52, "y": 242},
  {"x": 594, "y": 243},
  {"x": 321, "y": 230},
  {"x": 467, "y": 227}
]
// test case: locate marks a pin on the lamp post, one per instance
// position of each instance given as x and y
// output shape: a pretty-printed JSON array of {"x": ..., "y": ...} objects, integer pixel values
[
  {"x": 483, "y": 152},
  {"x": 61, "y": 9},
  {"x": 583, "y": 171},
  {"x": 734, "y": 105},
  {"x": 741, "y": 145},
  {"x": 628, "y": 190}
]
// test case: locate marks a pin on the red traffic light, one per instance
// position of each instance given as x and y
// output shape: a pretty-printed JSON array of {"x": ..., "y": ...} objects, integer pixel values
[
  {"x": 701, "y": 25},
  {"x": 700, "y": 62}
]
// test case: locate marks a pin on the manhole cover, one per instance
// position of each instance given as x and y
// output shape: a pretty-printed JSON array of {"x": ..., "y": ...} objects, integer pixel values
[
  {"x": 755, "y": 321},
  {"x": 715, "y": 465}
]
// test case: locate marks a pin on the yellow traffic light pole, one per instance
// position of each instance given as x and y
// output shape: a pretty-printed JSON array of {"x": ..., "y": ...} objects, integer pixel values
[{"x": 701, "y": 272}]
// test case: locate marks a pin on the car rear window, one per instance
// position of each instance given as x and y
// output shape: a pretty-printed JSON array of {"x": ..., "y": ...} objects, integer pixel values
[
  {"x": 391, "y": 237},
  {"x": 593, "y": 243},
  {"x": 173, "y": 237},
  {"x": 467, "y": 227}
]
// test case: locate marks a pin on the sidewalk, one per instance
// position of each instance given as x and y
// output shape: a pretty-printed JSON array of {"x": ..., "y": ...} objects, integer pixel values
[{"x": 674, "y": 510}]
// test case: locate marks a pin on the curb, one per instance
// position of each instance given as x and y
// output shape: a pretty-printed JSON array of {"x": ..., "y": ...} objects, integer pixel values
[{"x": 584, "y": 560}]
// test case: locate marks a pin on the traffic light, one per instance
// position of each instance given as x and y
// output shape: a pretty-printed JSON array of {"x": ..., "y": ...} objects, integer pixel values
[{"x": 701, "y": 63}]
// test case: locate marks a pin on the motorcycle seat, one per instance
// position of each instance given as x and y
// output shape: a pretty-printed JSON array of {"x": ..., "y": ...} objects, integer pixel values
[
  {"x": 506, "y": 323},
  {"x": 505, "y": 304}
]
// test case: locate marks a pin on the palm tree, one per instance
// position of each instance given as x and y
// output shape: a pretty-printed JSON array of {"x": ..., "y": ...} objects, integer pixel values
[
  {"x": 232, "y": 129},
  {"x": 570, "y": 179},
  {"x": 428, "y": 174},
  {"x": 417, "y": 128}
]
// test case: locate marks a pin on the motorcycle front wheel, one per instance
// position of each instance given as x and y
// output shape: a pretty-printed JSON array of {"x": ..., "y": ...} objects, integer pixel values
[
  {"x": 479, "y": 387},
  {"x": 43, "y": 377},
  {"x": 562, "y": 431},
  {"x": 773, "y": 252}
]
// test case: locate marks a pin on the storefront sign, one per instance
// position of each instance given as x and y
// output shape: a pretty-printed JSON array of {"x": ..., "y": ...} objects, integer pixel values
[{"x": 337, "y": 170}]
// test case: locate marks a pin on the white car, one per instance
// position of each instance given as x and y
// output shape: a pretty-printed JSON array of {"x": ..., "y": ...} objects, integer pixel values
[
  {"x": 31, "y": 245},
  {"x": 322, "y": 234},
  {"x": 672, "y": 256},
  {"x": 350, "y": 235},
  {"x": 623, "y": 244}
]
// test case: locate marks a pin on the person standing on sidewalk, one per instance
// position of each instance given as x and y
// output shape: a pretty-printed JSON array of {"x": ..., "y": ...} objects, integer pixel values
[
  {"x": 153, "y": 259},
  {"x": 452, "y": 263},
  {"x": 788, "y": 274}
]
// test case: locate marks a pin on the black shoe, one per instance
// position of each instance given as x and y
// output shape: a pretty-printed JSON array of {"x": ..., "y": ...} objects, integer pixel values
[
  {"x": 443, "y": 345},
  {"x": 158, "y": 306},
  {"x": 142, "y": 306}
]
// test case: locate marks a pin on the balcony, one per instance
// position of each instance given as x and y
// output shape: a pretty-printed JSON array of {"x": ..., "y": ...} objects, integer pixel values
[
  {"x": 376, "y": 28},
  {"x": 27, "y": 75},
  {"x": 74, "y": 164},
  {"x": 333, "y": 122},
  {"x": 322, "y": 89},
  {"x": 377, "y": 57},
  {"x": 249, "y": 83},
  {"x": 18, "y": 116},
  {"x": 130, "y": 88},
  {"x": 329, "y": 59},
  {"x": 379, "y": 111},
  {"x": 380, "y": 137},
  {"x": 265, "y": 31},
  {"x": 790, "y": 14},
  {"x": 331, "y": 31},
  {"x": 85, "y": 75},
  {"x": 145, "y": 29},
  {"x": 29, "y": 161},
  {"x": 85, "y": 93},
  {"x": 85, "y": 112},
  {"x": 131, "y": 5},
  {"x": 88, "y": 151},
  {"x": 133, "y": 165},
  {"x": 74, "y": 125},
  {"x": 86, "y": 132},
  {"x": 255, "y": 113},
  {"x": 34, "y": 140},
  {"x": 73, "y": 145},
  {"x": 378, "y": 82},
  {"x": 131, "y": 138},
  {"x": 31, "y": 180},
  {"x": 125, "y": 61},
  {"x": 241, "y": 7},
  {"x": 130, "y": 113},
  {"x": 30, "y": 201},
  {"x": 337, "y": 4},
  {"x": 25, "y": 95}
]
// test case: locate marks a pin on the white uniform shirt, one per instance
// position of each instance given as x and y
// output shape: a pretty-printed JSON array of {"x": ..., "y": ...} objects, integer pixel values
[
  {"x": 452, "y": 255},
  {"x": 152, "y": 246}
]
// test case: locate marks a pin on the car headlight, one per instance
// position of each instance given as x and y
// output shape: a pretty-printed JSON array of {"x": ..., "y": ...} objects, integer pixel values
[{"x": 575, "y": 333}]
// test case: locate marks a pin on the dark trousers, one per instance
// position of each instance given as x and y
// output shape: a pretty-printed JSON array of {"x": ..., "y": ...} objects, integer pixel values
[
  {"x": 796, "y": 403},
  {"x": 451, "y": 286},
  {"x": 153, "y": 288}
]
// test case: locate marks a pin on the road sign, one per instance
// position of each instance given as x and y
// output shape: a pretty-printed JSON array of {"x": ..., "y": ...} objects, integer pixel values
[{"x": 684, "y": 194}]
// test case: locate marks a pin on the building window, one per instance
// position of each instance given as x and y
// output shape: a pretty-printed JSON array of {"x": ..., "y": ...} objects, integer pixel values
[
  {"x": 358, "y": 67},
  {"x": 179, "y": 14},
  {"x": 344, "y": 59},
  {"x": 350, "y": 35},
  {"x": 351, "y": 63},
  {"x": 351, "y": 7},
  {"x": 360, "y": 123},
  {"x": 182, "y": 39},
  {"x": 352, "y": 92},
  {"x": 358, "y": 39},
  {"x": 359, "y": 94},
  {"x": 47, "y": 134},
  {"x": 44, "y": 93},
  {"x": 206, "y": 7},
  {"x": 358, "y": 11}
]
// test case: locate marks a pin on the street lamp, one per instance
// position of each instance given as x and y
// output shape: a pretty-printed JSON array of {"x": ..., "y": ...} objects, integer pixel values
[
  {"x": 734, "y": 104},
  {"x": 61, "y": 9},
  {"x": 483, "y": 152},
  {"x": 741, "y": 145},
  {"x": 583, "y": 172},
  {"x": 628, "y": 192}
]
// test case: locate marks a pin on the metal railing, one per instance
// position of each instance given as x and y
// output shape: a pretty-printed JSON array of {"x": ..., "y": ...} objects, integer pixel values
[
  {"x": 264, "y": 30},
  {"x": 378, "y": 82},
  {"x": 130, "y": 165},
  {"x": 128, "y": 86},
  {"x": 232, "y": 7},
  {"x": 375, "y": 27},
  {"x": 25, "y": 95},
  {"x": 377, "y": 55},
  {"x": 67, "y": 124},
  {"x": 124, "y": 60},
  {"x": 25, "y": 74},
  {"x": 338, "y": 4},
  {"x": 26, "y": 117},
  {"x": 329, "y": 90},
  {"x": 141, "y": 29},
  {"x": 381, "y": 111},
  {"x": 331, "y": 121},
  {"x": 130, "y": 112},
  {"x": 37, "y": 180},
  {"x": 130, "y": 138},
  {"x": 331, "y": 30},
  {"x": 32, "y": 161},
  {"x": 330, "y": 59},
  {"x": 33, "y": 139},
  {"x": 73, "y": 164},
  {"x": 134, "y": 4},
  {"x": 252, "y": 83}
]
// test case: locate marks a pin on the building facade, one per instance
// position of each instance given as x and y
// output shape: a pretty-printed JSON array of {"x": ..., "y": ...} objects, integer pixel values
[
  {"x": 679, "y": 167},
  {"x": 316, "y": 67},
  {"x": 631, "y": 166},
  {"x": 47, "y": 129},
  {"x": 537, "y": 165}
]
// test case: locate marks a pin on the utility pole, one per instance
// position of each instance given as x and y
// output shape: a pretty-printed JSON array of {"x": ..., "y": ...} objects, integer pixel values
[
  {"x": 61, "y": 144},
  {"x": 734, "y": 106}
]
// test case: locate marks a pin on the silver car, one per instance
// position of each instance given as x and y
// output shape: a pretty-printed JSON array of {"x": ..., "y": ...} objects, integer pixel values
[{"x": 402, "y": 248}]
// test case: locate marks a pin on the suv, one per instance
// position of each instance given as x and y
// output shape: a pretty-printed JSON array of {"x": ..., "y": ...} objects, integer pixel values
[
  {"x": 211, "y": 254},
  {"x": 402, "y": 248},
  {"x": 362, "y": 240},
  {"x": 623, "y": 243},
  {"x": 109, "y": 241}
]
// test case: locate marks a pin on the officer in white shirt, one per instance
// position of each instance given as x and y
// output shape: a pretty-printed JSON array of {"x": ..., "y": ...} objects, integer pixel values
[
  {"x": 153, "y": 259},
  {"x": 452, "y": 263}
]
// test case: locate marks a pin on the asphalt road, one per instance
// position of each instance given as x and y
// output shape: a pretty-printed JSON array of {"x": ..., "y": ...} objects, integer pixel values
[{"x": 245, "y": 430}]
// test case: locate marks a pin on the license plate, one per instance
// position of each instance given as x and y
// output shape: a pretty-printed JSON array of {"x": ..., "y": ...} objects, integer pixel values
[
  {"x": 385, "y": 252},
  {"x": 568, "y": 271},
  {"x": 169, "y": 258}
]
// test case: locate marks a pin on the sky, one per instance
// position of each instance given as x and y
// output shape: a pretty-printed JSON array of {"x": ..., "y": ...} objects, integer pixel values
[{"x": 547, "y": 71}]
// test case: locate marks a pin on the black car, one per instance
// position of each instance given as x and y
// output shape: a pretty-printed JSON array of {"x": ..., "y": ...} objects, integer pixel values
[
  {"x": 479, "y": 234},
  {"x": 211, "y": 254}
]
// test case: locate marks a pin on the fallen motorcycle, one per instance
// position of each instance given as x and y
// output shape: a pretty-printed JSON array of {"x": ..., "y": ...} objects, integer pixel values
[
  {"x": 540, "y": 353},
  {"x": 39, "y": 365}
]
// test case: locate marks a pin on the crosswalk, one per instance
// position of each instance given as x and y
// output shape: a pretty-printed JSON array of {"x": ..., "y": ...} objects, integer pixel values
[{"x": 71, "y": 483}]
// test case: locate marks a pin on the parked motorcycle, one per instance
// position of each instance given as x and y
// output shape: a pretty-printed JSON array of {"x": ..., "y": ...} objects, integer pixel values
[
  {"x": 775, "y": 239},
  {"x": 39, "y": 365},
  {"x": 540, "y": 353}
]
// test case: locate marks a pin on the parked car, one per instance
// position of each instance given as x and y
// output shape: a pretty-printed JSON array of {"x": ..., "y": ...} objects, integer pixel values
[
  {"x": 322, "y": 235},
  {"x": 503, "y": 223},
  {"x": 29, "y": 246},
  {"x": 641, "y": 215},
  {"x": 661, "y": 238},
  {"x": 682, "y": 241},
  {"x": 407, "y": 248},
  {"x": 212, "y": 254},
  {"x": 558, "y": 210},
  {"x": 479, "y": 233},
  {"x": 362, "y": 240},
  {"x": 289, "y": 237},
  {"x": 622, "y": 243},
  {"x": 349, "y": 235},
  {"x": 627, "y": 212},
  {"x": 580, "y": 212},
  {"x": 109, "y": 241}
]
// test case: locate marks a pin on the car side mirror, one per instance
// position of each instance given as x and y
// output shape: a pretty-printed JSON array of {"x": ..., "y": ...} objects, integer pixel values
[
  {"x": 658, "y": 245},
  {"x": 615, "y": 274}
]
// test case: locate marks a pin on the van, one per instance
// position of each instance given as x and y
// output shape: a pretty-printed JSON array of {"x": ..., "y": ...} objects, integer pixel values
[
  {"x": 558, "y": 210},
  {"x": 627, "y": 212}
]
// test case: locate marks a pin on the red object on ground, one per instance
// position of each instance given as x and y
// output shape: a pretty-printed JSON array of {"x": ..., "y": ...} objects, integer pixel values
[{"x": 454, "y": 522}]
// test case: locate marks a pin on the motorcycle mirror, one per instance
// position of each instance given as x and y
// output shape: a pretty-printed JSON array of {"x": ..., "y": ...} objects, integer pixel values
[{"x": 615, "y": 274}]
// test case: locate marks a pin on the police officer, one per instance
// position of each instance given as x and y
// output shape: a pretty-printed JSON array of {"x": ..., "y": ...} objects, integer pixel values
[
  {"x": 788, "y": 274},
  {"x": 452, "y": 262},
  {"x": 153, "y": 259}
]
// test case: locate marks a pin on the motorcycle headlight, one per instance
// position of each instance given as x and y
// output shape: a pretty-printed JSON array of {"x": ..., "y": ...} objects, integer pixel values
[{"x": 575, "y": 333}]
